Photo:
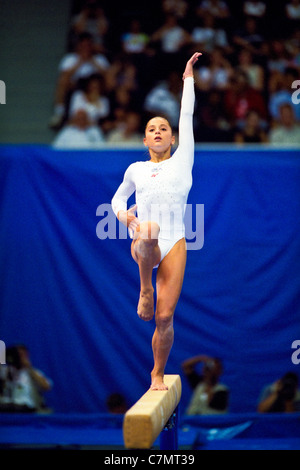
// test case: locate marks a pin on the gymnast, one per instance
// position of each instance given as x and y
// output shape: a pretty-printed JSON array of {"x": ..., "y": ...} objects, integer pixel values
[{"x": 161, "y": 187}]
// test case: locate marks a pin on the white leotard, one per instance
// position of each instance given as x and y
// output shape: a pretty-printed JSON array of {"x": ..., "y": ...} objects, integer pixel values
[{"x": 161, "y": 189}]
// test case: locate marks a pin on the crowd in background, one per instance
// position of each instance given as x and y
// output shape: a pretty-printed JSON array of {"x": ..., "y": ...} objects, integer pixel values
[{"x": 124, "y": 64}]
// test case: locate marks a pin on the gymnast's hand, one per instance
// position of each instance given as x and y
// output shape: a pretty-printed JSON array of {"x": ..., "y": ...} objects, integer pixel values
[
  {"x": 129, "y": 219},
  {"x": 189, "y": 65}
]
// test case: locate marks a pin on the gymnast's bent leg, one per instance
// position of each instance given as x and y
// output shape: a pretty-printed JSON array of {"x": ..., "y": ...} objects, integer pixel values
[{"x": 145, "y": 251}]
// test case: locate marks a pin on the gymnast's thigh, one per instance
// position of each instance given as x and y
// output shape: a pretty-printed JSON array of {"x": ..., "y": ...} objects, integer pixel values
[{"x": 170, "y": 274}]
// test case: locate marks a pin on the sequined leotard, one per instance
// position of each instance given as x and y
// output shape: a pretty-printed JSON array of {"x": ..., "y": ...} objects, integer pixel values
[{"x": 161, "y": 189}]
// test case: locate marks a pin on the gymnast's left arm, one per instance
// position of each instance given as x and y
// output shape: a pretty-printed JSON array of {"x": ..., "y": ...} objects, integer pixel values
[{"x": 186, "y": 134}]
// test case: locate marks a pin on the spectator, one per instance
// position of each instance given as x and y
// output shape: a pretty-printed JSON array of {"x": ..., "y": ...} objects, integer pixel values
[
  {"x": 240, "y": 98},
  {"x": 292, "y": 11},
  {"x": 253, "y": 132},
  {"x": 171, "y": 35},
  {"x": 122, "y": 74},
  {"x": 249, "y": 36},
  {"x": 218, "y": 8},
  {"x": 170, "y": 41},
  {"x": 22, "y": 385},
  {"x": 207, "y": 36},
  {"x": 74, "y": 66},
  {"x": 282, "y": 94},
  {"x": 292, "y": 45},
  {"x": 216, "y": 75},
  {"x": 211, "y": 122},
  {"x": 287, "y": 131},
  {"x": 164, "y": 99},
  {"x": 79, "y": 133},
  {"x": 179, "y": 8},
  {"x": 254, "y": 8},
  {"x": 91, "y": 99},
  {"x": 135, "y": 41},
  {"x": 209, "y": 396},
  {"x": 127, "y": 131},
  {"x": 282, "y": 396},
  {"x": 254, "y": 71},
  {"x": 278, "y": 57},
  {"x": 91, "y": 19}
]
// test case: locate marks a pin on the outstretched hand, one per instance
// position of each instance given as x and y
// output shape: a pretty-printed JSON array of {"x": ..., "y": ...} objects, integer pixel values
[{"x": 190, "y": 64}]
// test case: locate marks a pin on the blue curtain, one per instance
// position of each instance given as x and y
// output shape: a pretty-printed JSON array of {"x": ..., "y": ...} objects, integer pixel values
[{"x": 72, "y": 297}]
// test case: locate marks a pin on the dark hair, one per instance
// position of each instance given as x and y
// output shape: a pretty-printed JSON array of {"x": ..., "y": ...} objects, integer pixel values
[
  {"x": 13, "y": 355},
  {"x": 162, "y": 117}
]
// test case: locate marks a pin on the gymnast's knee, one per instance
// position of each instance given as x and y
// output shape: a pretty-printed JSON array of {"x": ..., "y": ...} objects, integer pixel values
[
  {"x": 149, "y": 232},
  {"x": 164, "y": 320}
]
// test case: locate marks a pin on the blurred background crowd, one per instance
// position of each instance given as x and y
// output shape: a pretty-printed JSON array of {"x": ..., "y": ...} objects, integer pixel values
[{"x": 123, "y": 65}]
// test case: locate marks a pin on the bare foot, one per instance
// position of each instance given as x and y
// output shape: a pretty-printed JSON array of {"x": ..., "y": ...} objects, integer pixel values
[
  {"x": 145, "y": 308},
  {"x": 158, "y": 383}
]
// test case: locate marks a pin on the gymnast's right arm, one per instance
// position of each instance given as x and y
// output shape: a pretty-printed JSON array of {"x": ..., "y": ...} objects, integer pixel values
[{"x": 123, "y": 193}]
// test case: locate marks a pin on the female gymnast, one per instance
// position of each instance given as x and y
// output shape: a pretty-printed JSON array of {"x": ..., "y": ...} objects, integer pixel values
[{"x": 161, "y": 187}]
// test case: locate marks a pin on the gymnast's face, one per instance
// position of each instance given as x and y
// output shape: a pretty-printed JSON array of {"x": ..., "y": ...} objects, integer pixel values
[{"x": 158, "y": 135}]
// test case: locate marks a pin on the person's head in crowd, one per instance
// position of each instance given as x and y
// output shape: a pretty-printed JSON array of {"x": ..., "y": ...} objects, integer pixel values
[
  {"x": 287, "y": 115},
  {"x": 212, "y": 370},
  {"x": 85, "y": 46}
]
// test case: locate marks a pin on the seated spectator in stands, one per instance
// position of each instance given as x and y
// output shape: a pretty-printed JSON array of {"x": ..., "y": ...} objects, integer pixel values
[
  {"x": 207, "y": 36},
  {"x": 281, "y": 92},
  {"x": 128, "y": 131},
  {"x": 254, "y": 71},
  {"x": 256, "y": 8},
  {"x": 278, "y": 58},
  {"x": 287, "y": 130},
  {"x": 240, "y": 98},
  {"x": 249, "y": 37},
  {"x": 79, "y": 133},
  {"x": 91, "y": 98},
  {"x": 218, "y": 8},
  {"x": 252, "y": 132},
  {"x": 122, "y": 73},
  {"x": 91, "y": 19},
  {"x": 22, "y": 386},
  {"x": 179, "y": 8},
  {"x": 165, "y": 98},
  {"x": 215, "y": 75},
  {"x": 292, "y": 11},
  {"x": 292, "y": 45},
  {"x": 209, "y": 395},
  {"x": 134, "y": 41},
  {"x": 170, "y": 41},
  {"x": 211, "y": 124},
  {"x": 74, "y": 66},
  {"x": 282, "y": 396}
]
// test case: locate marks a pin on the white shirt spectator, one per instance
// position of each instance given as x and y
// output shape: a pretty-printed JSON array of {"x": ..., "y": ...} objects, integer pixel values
[
  {"x": 293, "y": 10},
  {"x": 254, "y": 8},
  {"x": 217, "y": 8},
  {"x": 79, "y": 133},
  {"x": 95, "y": 111},
  {"x": 161, "y": 100},
  {"x": 209, "y": 37},
  {"x": 86, "y": 68},
  {"x": 70, "y": 137}
]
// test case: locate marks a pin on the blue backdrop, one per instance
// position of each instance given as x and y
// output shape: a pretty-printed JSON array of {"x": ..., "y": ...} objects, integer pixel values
[{"x": 72, "y": 297}]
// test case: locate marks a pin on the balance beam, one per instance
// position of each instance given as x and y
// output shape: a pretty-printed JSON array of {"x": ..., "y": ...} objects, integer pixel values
[{"x": 145, "y": 420}]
